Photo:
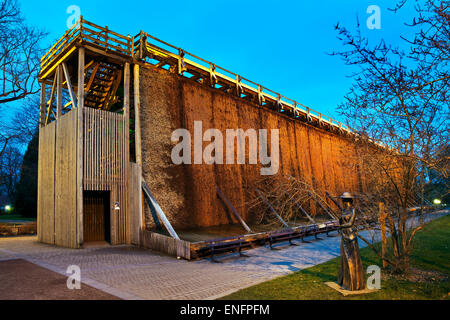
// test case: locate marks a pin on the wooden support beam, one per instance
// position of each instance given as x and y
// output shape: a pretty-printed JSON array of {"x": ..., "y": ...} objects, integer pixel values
[
  {"x": 91, "y": 79},
  {"x": 261, "y": 98},
  {"x": 50, "y": 102},
  {"x": 239, "y": 89},
  {"x": 261, "y": 196},
  {"x": 59, "y": 95},
  {"x": 236, "y": 214},
  {"x": 321, "y": 205},
  {"x": 126, "y": 90},
  {"x": 137, "y": 119},
  {"x": 67, "y": 105},
  {"x": 299, "y": 207},
  {"x": 181, "y": 68},
  {"x": 126, "y": 144},
  {"x": 113, "y": 90},
  {"x": 69, "y": 85},
  {"x": 42, "y": 106},
  {"x": 137, "y": 140},
  {"x": 79, "y": 145},
  {"x": 162, "y": 63},
  {"x": 158, "y": 210},
  {"x": 333, "y": 200},
  {"x": 212, "y": 75}
]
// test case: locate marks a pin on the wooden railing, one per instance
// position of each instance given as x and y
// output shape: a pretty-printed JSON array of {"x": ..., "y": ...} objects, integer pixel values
[
  {"x": 145, "y": 44},
  {"x": 67, "y": 39},
  {"x": 91, "y": 33}
]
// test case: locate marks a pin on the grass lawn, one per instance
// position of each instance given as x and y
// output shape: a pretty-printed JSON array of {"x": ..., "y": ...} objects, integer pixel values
[
  {"x": 431, "y": 253},
  {"x": 14, "y": 217}
]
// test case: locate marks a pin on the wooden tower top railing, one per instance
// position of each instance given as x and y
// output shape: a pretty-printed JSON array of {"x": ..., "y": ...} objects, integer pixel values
[
  {"x": 151, "y": 50},
  {"x": 161, "y": 54},
  {"x": 85, "y": 33}
]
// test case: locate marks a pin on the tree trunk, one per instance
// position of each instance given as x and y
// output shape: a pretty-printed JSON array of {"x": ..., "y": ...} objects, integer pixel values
[{"x": 382, "y": 219}]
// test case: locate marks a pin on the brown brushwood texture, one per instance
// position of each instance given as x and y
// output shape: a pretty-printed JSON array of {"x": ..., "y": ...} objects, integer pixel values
[{"x": 187, "y": 193}]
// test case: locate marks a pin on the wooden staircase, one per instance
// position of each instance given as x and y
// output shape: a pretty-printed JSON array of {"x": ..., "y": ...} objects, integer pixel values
[{"x": 102, "y": 80}]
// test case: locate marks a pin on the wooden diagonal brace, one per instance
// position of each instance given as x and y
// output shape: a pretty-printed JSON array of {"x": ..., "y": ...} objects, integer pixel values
[
  {"x": 69, "y": 85},
  {"x": 333, "y": 200},
  {"x": 91, "y": 79},
  {"x": 236, "y": 214},
  {"x": 158, "y": 210},
  {"x": 50, "y": 102},
  {"x": 271, "y": 208},
  {"x": 299, "y": 207},
  {"x": 321, "y": 205}
]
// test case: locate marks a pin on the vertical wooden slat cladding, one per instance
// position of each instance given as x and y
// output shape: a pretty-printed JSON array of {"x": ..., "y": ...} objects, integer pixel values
[
  {"x": 106, "y": 159},
  {"x": 65, "y": 181},
  {"x": 46, "y": 184},
  {"x": 57, "y": 206}
]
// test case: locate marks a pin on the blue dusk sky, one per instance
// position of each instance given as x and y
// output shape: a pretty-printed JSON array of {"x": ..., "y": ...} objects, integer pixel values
[{"x": 282, "y": 45}]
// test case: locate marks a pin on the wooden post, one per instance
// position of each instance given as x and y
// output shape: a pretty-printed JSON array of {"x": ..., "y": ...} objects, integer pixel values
[
  {"x": 141, "y": 45},
  {"x": 42, "y": 106},
  {"x": 79, "y": 146},
  {"x": 137, "y": 119},
  {"x": 138, "y": 148},
  {"x": 382, "y": 218},
  {"x": 126, "y": 119},
  {"x": 59, "y": 79}
]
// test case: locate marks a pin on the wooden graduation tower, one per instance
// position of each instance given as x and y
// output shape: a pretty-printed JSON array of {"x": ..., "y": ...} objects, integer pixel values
[{"x": 97, "y": 86}]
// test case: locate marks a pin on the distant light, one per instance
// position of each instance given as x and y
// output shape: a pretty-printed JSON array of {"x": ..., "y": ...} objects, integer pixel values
[
  {"x": 437, "y": 201},
  {"x": 7, "y": 207}
]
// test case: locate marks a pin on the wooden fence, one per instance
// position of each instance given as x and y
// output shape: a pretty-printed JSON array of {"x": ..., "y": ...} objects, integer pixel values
[{"x": 171, "y": 246}]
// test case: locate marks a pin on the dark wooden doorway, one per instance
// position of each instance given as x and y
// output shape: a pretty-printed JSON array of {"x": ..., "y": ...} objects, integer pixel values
[{"x": 96, "y": 219}]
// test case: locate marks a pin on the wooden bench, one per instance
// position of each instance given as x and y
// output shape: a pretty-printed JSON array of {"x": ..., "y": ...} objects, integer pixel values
[
  {"x": 230, "y": 244},
  {"x": 328, "y": 227},
  {"x": 284, "y": 235}
]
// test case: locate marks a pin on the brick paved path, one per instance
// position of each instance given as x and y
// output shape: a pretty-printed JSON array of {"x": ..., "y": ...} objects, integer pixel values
[{"x": 133, "y": 273}]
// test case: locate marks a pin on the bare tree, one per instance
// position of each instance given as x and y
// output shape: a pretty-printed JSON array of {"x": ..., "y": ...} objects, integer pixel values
[
  {"x": 20, "y": 52},
  {"x": 10, "y": 164},
  {"x": 399, "y": 106}
]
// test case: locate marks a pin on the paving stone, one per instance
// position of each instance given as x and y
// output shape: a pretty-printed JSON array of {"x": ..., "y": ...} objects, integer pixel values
[{"x": 134, "y": 273}]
